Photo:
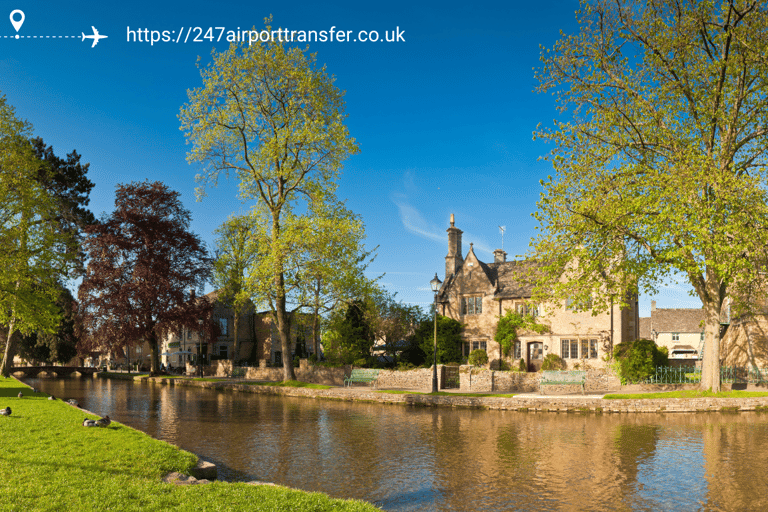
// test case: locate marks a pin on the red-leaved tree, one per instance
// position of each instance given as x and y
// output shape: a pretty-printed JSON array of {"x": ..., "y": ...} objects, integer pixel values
[{"x": 142, "y": 263}]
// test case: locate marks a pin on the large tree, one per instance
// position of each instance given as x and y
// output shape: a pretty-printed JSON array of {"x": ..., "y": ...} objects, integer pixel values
[
  {"x": 34, "y": 253},
  {"x": 142, "y": 263},
  {"x": 660, "y": 158},
  {"x": 54, "y": 347},
  {"x": 268, "y": 114}
]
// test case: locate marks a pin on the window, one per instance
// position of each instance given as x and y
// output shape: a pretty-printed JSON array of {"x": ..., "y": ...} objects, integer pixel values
[
  {"x": 471, "y": 305},
  {"x": 527, "y": 309},
  {"x": 223, "y": 326},
  {"x": 518, "y": 350},
  {"x": 223, "y": 351},
  {"x": 675, "y": 336},
  {"x": 569, "y": 349},
  {"x": 478, "y": 345},
  {"x": 574, "y": 305}
]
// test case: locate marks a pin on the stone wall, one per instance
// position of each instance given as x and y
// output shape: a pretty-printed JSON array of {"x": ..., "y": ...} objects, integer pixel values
[{"x": 482, "y": 380}]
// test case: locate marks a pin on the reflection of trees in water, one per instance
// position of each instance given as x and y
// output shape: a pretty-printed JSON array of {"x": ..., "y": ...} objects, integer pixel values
[{"x": 634, "y": 445}]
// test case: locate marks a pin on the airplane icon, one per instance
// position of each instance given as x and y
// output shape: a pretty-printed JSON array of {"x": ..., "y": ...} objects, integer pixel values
[{"x": 95, "y": 36}]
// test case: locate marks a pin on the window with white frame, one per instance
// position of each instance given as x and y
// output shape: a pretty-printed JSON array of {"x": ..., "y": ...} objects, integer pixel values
[
  {"x": 675, "y": 336},
  {"x": 478, "y": 345},
  {"x": 522, "y": 308},
  {"x": 471, "y": 305}
]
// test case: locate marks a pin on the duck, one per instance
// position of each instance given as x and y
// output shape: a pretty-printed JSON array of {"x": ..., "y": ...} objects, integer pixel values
[
  {"x": 21, "y": 395},
  {"x": 104, "y": 422},
  {"x": 6, "y": 411},
  {"x": 74, "y": 402},
  {"x": 89, "y": 423},
  {"x": 51, "y": 397},
  {"x": 34, "y": 390}
]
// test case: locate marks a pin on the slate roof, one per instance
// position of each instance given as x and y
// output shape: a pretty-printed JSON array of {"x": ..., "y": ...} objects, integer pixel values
[
  {"x": 645, "y": 328},
  {"x": 677, "y": 320}
]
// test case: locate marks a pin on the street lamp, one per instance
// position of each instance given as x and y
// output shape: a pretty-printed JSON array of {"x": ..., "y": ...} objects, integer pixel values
[{"x": 435, "y": 284}]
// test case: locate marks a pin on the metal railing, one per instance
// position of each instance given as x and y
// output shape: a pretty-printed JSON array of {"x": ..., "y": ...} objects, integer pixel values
[{"x": 692, "y": 375}]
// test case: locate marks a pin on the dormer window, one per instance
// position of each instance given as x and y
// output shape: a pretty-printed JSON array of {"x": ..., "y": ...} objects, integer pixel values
[{"x": 471, "y": 305}]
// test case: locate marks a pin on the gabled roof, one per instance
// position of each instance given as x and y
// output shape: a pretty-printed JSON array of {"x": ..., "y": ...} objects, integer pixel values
[
  {"x": 677, "y": 320},
  {"x": 507, "y": 277}
]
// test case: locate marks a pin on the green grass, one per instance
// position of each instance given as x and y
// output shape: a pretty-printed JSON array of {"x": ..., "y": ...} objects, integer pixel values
[
  {"x": 290, "y": 384},
  {"x": 51, "y": 462},
  {"x": 209, "y": 379},
  {"x": 442, "y": 393},
  {"x": 691, "y": 393}
]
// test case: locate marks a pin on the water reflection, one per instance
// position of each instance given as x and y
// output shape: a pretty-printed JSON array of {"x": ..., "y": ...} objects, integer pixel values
[{"x": 408, "y": 458}]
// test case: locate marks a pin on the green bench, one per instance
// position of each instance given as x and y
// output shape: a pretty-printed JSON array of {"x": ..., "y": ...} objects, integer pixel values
[
  {"x": 562, "y": 378},
  {"x": 362, "y": 375}
]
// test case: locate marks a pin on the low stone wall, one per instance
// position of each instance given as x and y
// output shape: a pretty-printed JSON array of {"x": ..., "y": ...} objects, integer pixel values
[
  {"x": 482, "y": 380},
  {"x": 420, "y": 378}
]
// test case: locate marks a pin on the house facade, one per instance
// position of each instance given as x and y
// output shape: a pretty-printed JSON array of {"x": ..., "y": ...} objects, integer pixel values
[
  {"x": 477, "y": 294},
  {"x": 257, "y": 336},
  {"x": 680, "y": 330}
]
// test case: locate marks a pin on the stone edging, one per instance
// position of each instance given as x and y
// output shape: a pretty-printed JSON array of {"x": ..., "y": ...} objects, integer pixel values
[{"x": 520, "y": 403}]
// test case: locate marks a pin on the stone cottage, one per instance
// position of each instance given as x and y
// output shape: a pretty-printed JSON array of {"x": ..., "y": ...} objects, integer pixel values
[{"x": 477, "y": 294}]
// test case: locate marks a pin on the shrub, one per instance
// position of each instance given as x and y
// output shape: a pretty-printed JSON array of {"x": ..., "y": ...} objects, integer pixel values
[
  {"x": 361, "y": 362},
  {"x": 478, "y": 357},
  {"x": 504, "y": 366},
  {"x": 522, "y": 366},
  {"x": 404, "y": 366},
  {"x": 313, "y": 358},
  {"x": 637, "y": 360},
  {"x": 552, "y": 362}
]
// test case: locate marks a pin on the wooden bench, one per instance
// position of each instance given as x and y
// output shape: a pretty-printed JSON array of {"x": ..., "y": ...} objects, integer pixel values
[
  {"x": 362, "y": 375},
  {"x": 562, "y": 378}
]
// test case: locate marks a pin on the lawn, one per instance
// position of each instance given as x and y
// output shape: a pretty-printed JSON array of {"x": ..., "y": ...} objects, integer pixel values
[
  {"x": 51, "y": 462},
  {"x": 692, "y": 393}
]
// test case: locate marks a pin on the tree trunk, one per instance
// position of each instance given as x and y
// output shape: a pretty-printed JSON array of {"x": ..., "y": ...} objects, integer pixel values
[
  {"x": 316, "y": 322},
  {"x": 155, "y": 354},
  {"x": 710, "y": 365},
  {"x": 283, "y": 322},
  {"x": 236, "y": 351},
  {"x": 10, "y": 350}
]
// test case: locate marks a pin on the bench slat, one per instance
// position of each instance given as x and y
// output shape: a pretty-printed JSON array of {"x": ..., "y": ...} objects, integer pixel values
[{"x": 563, "y": 378}]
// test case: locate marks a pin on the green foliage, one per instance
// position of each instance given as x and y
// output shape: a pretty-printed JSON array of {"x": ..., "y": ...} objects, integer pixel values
[
  {"x": 34, "y": 253},
  {"x": 660, "y": 169},
  {"x": 349, "y": 337},
  {"x": 448, "y": 341},
  {"x": 478, "y": 357},
  {"x": 637, "y": 360},
  {"x": 59, "y": 346},
  {"x": 509, "y": 325},
  {"x": 552, "y": 362},
  {"x": 522, "y": 366},
  {"x": 271, "y": 116}
]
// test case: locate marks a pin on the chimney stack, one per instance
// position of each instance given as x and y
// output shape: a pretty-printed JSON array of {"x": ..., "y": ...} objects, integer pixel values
[
  {"x": 454, "y": 259},
  {"x": 653, "y": 305},
  {"x": 499, "y": 256}
]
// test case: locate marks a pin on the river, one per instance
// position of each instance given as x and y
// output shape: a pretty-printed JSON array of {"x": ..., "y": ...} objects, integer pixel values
[{"x": 411, "y": 458}]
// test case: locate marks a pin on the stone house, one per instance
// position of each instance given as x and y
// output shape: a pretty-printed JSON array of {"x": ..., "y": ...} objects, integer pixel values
[
  {"x": 477, "y": 294},
  {"x": 680, "y": 330},
  {"x": 257, "y": 336}
]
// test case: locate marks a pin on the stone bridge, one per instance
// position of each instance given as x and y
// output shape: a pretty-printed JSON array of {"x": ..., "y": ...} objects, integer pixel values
[{"x": 59, "y": 371}]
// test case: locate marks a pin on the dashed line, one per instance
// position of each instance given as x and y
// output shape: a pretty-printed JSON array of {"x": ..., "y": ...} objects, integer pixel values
[{"x": 40, "y": 37}]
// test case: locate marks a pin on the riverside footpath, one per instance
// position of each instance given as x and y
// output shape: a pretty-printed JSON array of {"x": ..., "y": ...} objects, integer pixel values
[{"x": 527, "y": 402}]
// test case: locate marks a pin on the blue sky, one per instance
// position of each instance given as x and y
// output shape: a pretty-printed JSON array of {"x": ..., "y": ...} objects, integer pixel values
[{"x": 444, "y": 119}]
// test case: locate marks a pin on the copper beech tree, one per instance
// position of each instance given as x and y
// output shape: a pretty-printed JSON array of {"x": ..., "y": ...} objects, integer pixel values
[{"x": 143, "y": 261}]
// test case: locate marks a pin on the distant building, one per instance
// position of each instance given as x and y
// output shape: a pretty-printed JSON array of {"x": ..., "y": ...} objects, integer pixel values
[
  {"x": 680, "y": 330},
  {"x": 477, "y": 294},
  {"x": 258, "y": 338}
]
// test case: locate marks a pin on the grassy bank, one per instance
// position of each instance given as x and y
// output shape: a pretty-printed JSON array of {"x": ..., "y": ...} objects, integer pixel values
[
  {"x": 49, "y": 461},
  {"x": 290, "y": 384},
  {"x": 691, "y": 393}
]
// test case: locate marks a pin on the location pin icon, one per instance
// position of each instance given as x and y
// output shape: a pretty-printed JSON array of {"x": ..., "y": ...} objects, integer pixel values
[{"x": 17, "y": 24}]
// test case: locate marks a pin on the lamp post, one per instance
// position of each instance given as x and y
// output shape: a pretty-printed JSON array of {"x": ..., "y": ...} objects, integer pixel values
[{"x": 435, "y": 284}]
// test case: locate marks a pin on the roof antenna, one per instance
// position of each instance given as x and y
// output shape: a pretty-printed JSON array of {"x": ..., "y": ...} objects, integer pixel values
[{"x": 502, "y": 229}]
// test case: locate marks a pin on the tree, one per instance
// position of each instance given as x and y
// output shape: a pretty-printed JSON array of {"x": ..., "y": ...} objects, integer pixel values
[
  {"x": 143, "y": 260},
  {"x": 34, "y": 254},
  {"x": 59, "y": 346},
  {"x": 269, "y": 115},
  {"x": 355, "y": 336},
  {"x": 235, "y": 254},
  {"x": 660, "y": 171},
  {"x": 448, "y": 339}
]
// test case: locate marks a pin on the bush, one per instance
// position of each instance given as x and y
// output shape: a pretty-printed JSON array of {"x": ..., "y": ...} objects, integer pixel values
[
  {"x": 403, "y": 366},
  {"x": 637, "y": 360},
  {"x": 478, "y": 357},
  {"x": 361, "y": 362},
  {"x": 522, "y": 366},
  {"x": 552, "y": 362},
  {"x": 313, "y": 358},
  {"x": 504, "y": 366}
]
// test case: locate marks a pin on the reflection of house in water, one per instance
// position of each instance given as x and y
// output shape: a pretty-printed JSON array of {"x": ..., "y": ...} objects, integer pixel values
[
  {"x": 680, "y": 330},
  {"x": 477, "y": 294},
  {"x": 257, "y": 336}
]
